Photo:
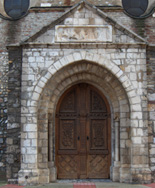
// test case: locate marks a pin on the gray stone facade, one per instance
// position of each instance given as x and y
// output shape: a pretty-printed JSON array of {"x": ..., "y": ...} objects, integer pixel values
[
  {"x": 3, "y": 111},
  {"x": 52, "y": 51}
]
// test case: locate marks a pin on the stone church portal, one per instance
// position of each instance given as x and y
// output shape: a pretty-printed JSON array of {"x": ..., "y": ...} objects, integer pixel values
[{"x": 77, "y": 94}]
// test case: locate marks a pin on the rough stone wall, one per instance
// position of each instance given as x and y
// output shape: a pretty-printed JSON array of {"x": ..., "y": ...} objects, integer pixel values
[
  {"x": 14, "y": 109},
  {"x": 4, "y": 66},
  {"x": 151, "y": 106},
  {"x": 3, "y": 111},
  {"x": 143, "y": 27},
  {"x": 13, "y": 32},
  {"x": 150, "y": 29}
]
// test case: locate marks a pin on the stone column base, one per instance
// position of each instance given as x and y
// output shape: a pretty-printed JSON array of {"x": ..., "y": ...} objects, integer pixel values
[
  {"x": 44, "y": 176},
  {"x": 28, "y": 177},
  {"x": 53, "y": 172},
  {"x": 116, "y": 172}
]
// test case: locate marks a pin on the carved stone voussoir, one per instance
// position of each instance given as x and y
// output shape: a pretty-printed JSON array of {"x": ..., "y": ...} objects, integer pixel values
[{"x": 90, "y": 33}]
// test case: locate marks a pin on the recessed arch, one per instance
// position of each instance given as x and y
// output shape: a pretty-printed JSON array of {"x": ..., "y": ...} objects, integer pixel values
[{"x": 82, "y": 72}]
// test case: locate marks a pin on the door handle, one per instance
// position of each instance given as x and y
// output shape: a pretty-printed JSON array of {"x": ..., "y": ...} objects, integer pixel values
[
  {"x": 78, "y": 138},
  {"x": 87, "y": 137}
]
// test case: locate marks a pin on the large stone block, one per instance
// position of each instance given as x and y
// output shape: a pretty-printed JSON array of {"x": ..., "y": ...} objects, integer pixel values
[
  {"x": 115, "y": 174},
  {"x": 136, "y": 140},
  {"x": 152, "y": 151},
  {"x": 44, "y": 176},
  {"x": 140, "y": 160},
  {"x": 28, "y": 177},
  {"x": 141, "y": 175},
  {"x": 53, "y": 174},
  {"x": 30, "y": 158},
  {"x": 125, "y": 175},
  {"x": 30, "y": 127}
]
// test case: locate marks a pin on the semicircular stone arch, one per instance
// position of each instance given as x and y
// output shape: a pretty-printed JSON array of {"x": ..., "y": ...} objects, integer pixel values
[
  {"x": 90, "y": 57},
  {"x": 83, "y": 55},
  {"x": 81, "y": 71}
]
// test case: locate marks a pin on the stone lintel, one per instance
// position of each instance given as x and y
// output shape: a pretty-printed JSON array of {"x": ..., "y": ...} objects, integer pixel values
[
  {"x": 83, "y": 45},
  {"x": 13, "y": 46}
]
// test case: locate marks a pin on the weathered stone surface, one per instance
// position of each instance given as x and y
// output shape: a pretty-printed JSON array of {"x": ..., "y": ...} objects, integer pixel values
[
  {"x": 48, "y": 3},
  {"x": 81, "y": 33},
  {"x": 13, "y": 130},
  {"x": 118, "y": 70}
]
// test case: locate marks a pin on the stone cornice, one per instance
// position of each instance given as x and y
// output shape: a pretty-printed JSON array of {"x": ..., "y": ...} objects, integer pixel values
[{"x": 79, "y": 45}]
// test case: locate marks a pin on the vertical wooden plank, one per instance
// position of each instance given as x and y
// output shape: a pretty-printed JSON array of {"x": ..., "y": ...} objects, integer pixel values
[{"x": 82, "y": 119}]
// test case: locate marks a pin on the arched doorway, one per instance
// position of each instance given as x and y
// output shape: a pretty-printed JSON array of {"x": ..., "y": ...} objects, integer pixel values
[{"x": 83, "y": 135}]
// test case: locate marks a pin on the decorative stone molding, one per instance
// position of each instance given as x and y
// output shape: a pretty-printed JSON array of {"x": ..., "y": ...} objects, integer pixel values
[{"x": 90, "y": 33}]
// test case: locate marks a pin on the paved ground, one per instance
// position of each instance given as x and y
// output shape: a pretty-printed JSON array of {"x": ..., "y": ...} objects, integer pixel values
[
  {"x": 81, "y": 185},
  {"x": 2, "y": 183}
]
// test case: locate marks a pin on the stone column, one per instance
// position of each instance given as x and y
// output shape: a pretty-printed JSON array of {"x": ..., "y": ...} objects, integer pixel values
[
  {"x": 117, "y": 145},
  {"x": 51, "y": 162},
  {"x": 116, "y": 173}
]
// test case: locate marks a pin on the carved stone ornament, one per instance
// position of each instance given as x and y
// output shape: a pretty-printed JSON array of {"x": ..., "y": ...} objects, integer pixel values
[{"x": 91, "y": 33}]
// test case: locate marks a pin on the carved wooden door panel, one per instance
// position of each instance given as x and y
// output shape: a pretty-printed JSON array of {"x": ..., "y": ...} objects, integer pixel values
[
  {"x": 98, "y": 149},
  {"x": 82, "y": 134},
  {"x": 66, "y": 129}
]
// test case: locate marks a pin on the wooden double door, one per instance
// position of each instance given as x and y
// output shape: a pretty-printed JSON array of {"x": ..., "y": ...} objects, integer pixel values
[{"x": 82, "y": 134}]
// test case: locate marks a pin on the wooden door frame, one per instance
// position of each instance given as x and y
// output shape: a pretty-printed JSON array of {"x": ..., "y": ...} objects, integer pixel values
[{"x": 108, "y": 121}]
